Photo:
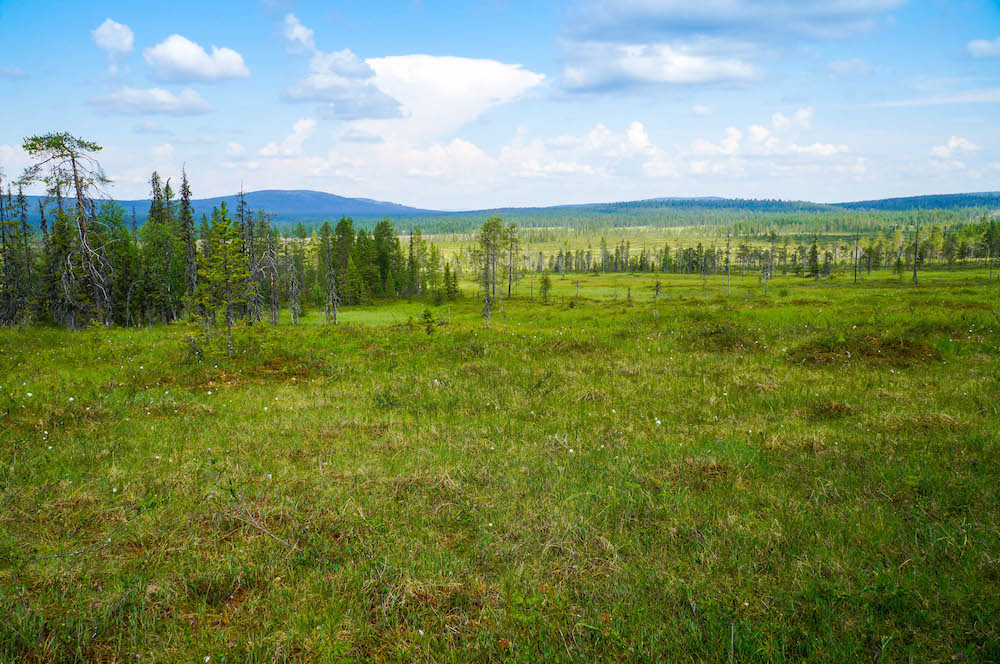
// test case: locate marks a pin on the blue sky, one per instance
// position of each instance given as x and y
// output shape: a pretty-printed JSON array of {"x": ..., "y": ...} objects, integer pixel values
[{"x": 461, "y": 105}]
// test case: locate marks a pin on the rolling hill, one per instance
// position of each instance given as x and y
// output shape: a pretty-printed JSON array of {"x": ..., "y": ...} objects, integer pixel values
[{"x": 289, "y": 207}]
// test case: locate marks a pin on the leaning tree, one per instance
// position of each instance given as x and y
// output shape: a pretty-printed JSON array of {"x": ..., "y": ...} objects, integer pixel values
[{"x": 63, "y": 162}]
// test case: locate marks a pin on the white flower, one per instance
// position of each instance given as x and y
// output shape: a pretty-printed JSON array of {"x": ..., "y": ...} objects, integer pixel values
[
  {"x": 72, "y": 399},
  {"x": 30, "y": 394},
  {"x": 571, "y": 450},
  {"x": 210, "y": 393},
  {"x": 115, "y": 490}
]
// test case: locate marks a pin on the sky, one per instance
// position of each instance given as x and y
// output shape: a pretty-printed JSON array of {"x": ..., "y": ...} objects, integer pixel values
[{"x": 454, "y": 105}]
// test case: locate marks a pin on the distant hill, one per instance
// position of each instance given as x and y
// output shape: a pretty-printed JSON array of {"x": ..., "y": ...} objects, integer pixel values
[
  {"x": 313, "y": 207},
  {"x": 286, "y": 207},
  {"x": 308, "y": 206},
  {"x": 935, "y": 202}
]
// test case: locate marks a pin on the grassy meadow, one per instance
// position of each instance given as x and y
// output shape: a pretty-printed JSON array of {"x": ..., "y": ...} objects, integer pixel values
[{"x": 807, "y": 475}]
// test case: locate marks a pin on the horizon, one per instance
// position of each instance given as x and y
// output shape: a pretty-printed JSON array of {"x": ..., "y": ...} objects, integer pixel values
[
  {"x": 554, "y": 205},
  {"x": 455, "y": 108}
]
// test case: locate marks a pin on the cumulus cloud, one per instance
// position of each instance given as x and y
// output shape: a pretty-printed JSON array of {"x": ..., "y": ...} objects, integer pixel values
[
  {"x": 801, "y": 119},
  {"x": 298, "y": 37},
  {"x": 607, "y": 66},
  {"x": 292, "y": 145},
  {"x": 955, "y": 146},
  {"x": 438, "y": 94},
  {"x": 340, "y": 80},
  {"x": 984, "y": 48},
  {"x": 770, "y": 149},
  {"x": 345, "y": 84},
  {"x": 152, "y": 101},
  {"x": 602, "y": 151},
  {"x": 115, "y": 39},
  {"x": 178, "y": 59}
]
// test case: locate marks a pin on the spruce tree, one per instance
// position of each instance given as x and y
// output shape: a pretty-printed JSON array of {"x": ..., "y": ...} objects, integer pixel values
[{"x": 224, "y": 271}]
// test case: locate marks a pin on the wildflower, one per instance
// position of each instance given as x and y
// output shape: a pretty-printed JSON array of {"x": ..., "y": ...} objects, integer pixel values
[
  {"x": 72, "y": 399},
  {"x": 30, "y": 394}
]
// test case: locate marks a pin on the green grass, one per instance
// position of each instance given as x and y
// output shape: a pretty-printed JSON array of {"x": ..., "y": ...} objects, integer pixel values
[{"x": 811, "y": 475}]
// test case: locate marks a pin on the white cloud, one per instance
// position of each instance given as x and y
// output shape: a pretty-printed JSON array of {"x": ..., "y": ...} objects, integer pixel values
[
  {"x": 458, "y": 158},
  {"x": 346, "y": 84},
  {"x": 615, "y": 44},
  {"x": 113, "y": 38},
  {"x": 292, "y": 145},
  {"x": 956, "y": 145},
  {"x": 339, "y": 79},
  {"x": 235, "y": 150},
  {"x": 801, "y": 119},
  {"x": 163, "y": 152},
  {"x": 13, "y": 160},
  {"x": 819, "y": 149},
  {"x": 179, "y": 59},
  {"x": 152, "y": 101},
  {"x": 769, "y": 149},
  {"x": 703, "y": 111},
  {"x": 727, "y": 146},
  {"x": 298, "y": 37},
  {"x": 984, "y": 48},
  {"x": 12, "y": 72},
  {"x": 603, "y": 66},
  {"x": 851, "y": 67},
  {"x": 439, "y": 94}
]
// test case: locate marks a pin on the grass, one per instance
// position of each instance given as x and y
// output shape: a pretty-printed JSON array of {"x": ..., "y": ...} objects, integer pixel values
[{"x": 808, "y": 475}]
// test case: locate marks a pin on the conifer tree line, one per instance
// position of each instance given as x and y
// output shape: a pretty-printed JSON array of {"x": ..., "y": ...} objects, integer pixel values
[
  {"x": 972, "y": 244},
  {"x": 90, "y": 262}
]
